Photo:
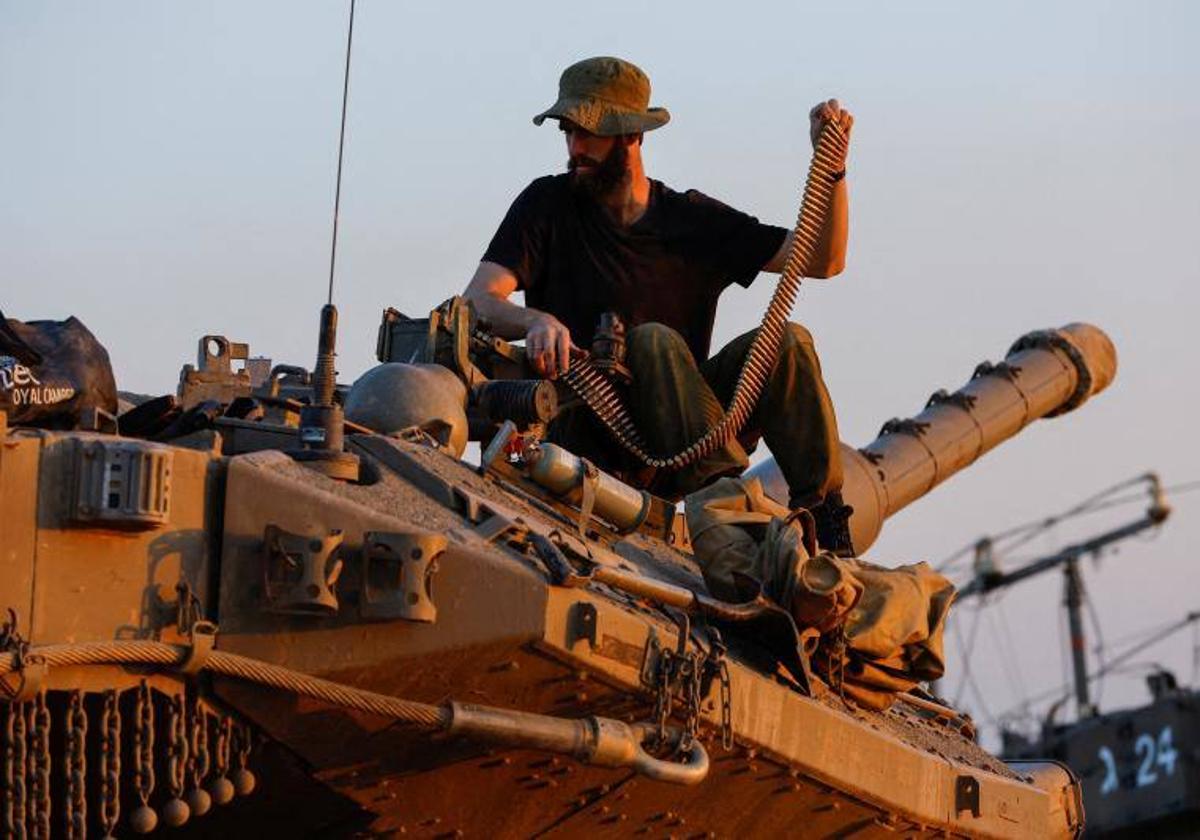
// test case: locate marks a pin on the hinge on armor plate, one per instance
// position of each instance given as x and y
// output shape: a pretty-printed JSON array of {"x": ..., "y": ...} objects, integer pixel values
[
  {"x": 300, "y": 572},
  {"x": 397, "y": 574}
]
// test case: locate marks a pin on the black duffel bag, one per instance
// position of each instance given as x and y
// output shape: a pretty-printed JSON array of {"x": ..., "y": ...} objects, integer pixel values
[{"x": 54, "y": 375}]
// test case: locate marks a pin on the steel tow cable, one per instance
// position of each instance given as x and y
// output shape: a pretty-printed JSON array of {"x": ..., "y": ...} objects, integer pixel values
[
  {"x": 230, "y": 664},
  {"x": 604, "y": 741}
]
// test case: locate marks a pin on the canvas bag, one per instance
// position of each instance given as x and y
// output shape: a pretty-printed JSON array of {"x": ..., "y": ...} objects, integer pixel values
[
  {"x": 880, "y": 629},
  {"x": 53, "y": 373},
  {"x": 893, "y": 637},
  {"x": 747, "y": 544}
]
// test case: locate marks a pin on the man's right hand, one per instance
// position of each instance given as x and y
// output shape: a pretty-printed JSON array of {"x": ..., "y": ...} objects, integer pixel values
[{"x": 548, "y": 346}]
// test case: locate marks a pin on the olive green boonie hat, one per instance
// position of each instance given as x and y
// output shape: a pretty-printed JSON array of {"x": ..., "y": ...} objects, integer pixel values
[{"x": 606, "y": 96}]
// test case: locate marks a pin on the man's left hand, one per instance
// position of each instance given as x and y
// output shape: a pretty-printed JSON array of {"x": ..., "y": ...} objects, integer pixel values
[{"x": 829, "y": 112}]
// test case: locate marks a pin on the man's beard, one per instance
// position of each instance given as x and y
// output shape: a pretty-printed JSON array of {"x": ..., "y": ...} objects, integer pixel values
[{"x": 606, "y": 175}]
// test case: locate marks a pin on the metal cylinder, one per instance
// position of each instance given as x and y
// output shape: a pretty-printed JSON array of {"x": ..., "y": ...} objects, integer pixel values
[
  {"x": 531, "y": 731},
  {"x": 324, "y": 375},
  {"x": 564, "y": 473},
  {"x": 1045, "y": 373},
  {"x": 593, "y": 740},
  {"x": 523, "y": 401},
  {"x": 321, "y": 427}
]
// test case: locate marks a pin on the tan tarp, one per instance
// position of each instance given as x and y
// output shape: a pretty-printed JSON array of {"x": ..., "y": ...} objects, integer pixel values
[{"x": 880, "y": 629}]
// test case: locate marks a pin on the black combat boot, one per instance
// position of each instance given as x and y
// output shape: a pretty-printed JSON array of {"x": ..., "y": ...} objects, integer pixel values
[{"x": 833, "y": 524}]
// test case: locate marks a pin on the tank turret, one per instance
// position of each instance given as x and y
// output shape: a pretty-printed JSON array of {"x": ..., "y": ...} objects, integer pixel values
[{"x": 1046, "y": 373}]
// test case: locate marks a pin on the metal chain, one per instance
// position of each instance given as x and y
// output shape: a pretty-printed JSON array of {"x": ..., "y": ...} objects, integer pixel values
[
  {"x": 175, "y": 811},
  {"x": 39, "y": 767},
  {"x": 688, "y": 676},
  {"x": 9, "y": 776},
  {"x": 13, "y": 781},
  {"x": 143, "y": 743},
  {"x": 243, "y": 779},
  {"x": 689, "y": 682},
  {"x": 19, "y": 786},
  {"x": 187, "y": 607},
  {"x": 716, "y": 669},
  {"x": 224, "y": 733},
  {"x": 221, "y": 787},
  {"x": 196, "y": 767},
  {"x": 838, "y": 653},
  {"x": 198, "y": 762},
  {"x": 663, "y": 693},
  {"x": 726, "y": 706},
  {"x": 177, "y": 751},
  {"x": 110, "y": 762},
  {"x": 692, "y": 698},
  {"x": 75, "y": 767},
  {"x": 679, "y": 674},
  {"x": 244, "y": 745}
]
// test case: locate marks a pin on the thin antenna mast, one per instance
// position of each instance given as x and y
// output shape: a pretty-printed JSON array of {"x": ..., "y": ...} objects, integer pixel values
[
  {"x": 337, "y": 196},
  {"x": 322, "y": 423}
]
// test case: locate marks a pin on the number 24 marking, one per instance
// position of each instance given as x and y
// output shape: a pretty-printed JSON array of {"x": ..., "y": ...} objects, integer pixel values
[{"x": 1150, "y": 752}]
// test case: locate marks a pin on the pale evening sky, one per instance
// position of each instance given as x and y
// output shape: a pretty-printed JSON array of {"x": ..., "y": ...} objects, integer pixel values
[{"x": 168, "y": 172}]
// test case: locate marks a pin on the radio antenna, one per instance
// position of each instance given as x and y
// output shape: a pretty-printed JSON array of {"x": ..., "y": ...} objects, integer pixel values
[
  {"x": 337, "y": 195},
  {"x": 322, "y": 422}
]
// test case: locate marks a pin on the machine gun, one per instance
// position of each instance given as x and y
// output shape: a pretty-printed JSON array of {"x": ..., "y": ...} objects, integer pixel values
[
  {"x": 498, "y": 378},
  {"x": 507, "y": 412}
]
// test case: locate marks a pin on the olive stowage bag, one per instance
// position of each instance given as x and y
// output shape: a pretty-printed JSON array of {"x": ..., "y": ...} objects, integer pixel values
[
  {"x": 54, "y": 374},
  {"x": 878, "y": 631}
]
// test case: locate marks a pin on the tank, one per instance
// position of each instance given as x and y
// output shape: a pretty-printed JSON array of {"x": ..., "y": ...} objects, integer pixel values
[{"x": 286, "y": 622}]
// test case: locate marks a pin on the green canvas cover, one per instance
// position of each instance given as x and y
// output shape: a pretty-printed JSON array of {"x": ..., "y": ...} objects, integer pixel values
[{"x": 879, "y": 630}]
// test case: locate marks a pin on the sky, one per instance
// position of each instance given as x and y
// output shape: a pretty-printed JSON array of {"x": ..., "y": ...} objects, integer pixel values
[{"x": 168, "y": 171}]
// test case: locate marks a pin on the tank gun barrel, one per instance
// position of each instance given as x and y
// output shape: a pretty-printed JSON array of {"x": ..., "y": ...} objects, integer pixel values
[{"x": 1046, "y": 373}]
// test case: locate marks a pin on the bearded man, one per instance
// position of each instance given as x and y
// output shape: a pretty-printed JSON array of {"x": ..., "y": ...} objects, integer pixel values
[{"x": 603, "y": 237}]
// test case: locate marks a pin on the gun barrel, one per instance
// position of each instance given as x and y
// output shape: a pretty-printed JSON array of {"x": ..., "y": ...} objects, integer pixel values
[{"x": 1046, "y": 373}]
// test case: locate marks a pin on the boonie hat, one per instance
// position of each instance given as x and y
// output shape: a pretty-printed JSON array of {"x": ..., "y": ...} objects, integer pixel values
[{"x": 606, "y": 96}]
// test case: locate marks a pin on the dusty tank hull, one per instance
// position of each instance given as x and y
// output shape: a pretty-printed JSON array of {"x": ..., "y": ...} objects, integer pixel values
[
  {"x": 503, "y": 636},
  {"x": 509, "y": 640},
  {"x": 220, "y": 515}
]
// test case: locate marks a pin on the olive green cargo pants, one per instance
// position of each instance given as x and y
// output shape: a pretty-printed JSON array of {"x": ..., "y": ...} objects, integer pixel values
[{"x": 674, "y": 400}]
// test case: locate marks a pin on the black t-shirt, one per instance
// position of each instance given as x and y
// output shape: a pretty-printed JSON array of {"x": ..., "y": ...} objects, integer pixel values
[{"x": 669, "y": 266}]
